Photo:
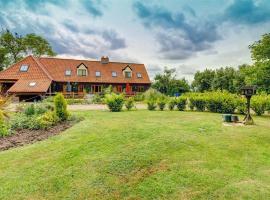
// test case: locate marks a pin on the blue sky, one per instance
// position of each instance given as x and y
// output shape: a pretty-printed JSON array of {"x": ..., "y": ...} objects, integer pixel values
[{"x": 188, "y": 35}]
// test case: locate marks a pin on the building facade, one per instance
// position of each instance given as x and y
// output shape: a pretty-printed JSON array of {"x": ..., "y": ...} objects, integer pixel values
[{"x": 37, "y": 77}]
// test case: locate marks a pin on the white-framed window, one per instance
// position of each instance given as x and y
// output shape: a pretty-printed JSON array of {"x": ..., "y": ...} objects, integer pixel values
[
  {"x": 98, "y": 74},
  {"x": 127, "y": 74},
  {"x": 139, "y": 75},
  {"x": 32, "y": 84},
  {"x": 114, "y": 74},
  {"x": 24, "y": 68},
  {"x": 68, "y": 72},
  {"x": 82, "y": 72}
]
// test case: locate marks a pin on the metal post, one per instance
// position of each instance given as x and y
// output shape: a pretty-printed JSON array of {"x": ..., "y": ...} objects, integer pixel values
[{"x": 248, "y": 119}]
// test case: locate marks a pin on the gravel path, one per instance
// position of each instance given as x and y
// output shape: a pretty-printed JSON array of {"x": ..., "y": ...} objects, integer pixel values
[{"x": 80, "y": 107}]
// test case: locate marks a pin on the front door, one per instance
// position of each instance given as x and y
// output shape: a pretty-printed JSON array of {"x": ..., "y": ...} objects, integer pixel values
[
  {"x": 119, "y": 88},
  {"x": 80, "y": 88}
]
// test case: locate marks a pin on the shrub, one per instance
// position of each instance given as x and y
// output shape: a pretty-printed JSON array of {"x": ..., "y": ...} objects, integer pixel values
[
  {"x": 60, "y": 107},
  {"x": 221, "y": 102},
  {"x": 97, "y": 99},
  {"x": 139, "y": 97},
  {"x": 4, "y": 130},
  {"x": 29, "y": 109},
  {"x": 47, "y": 120},
  {"x": 181, "y": 103},
  {"x": 114, "y": 102},
  {"x": 151, "y": 97},
  {"x": 151, "y": 94},
  {"x": 129, "y": 103},
  {"x": 162, "y": 100},
  {"x": 35, "y": 108},
  {"x": 241, "y": 105},
  {"x": 22, "y": 121},
  {"x": 172, "y": 103},
  {"x": 259, "y": 104},
  {"x": 198, "y": 102},
  {"x": 151, "y": 104}
]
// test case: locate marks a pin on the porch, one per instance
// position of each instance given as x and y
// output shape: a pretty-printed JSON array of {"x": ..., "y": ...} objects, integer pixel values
[{"x": 80, "y": 90}]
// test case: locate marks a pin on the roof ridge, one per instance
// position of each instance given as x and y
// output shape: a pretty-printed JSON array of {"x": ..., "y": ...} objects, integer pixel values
[
  {"x": 42, "y": 68},
  {"x": 90, "y": 60}
]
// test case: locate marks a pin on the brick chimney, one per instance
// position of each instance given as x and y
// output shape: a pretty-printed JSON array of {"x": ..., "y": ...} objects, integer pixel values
[{"x": 104, "y": 60}]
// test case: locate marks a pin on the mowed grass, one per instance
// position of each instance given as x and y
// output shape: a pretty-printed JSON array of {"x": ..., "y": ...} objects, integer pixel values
[{"x": 143, "y": 155}]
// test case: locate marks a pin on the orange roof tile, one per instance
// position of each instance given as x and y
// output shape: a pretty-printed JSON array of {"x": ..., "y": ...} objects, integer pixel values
[
  {"x": 30, "y": 86},
  {"x": 53, "y": 69},
  {"x": 57, "y": 67}
]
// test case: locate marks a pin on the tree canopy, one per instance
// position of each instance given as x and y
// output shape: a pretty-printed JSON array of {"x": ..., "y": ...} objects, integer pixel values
[
  {"x": 14, "y": 47},
  {"x": 168, "y": 84}
]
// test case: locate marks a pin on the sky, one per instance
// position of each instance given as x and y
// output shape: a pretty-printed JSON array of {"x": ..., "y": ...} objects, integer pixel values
[{"x": 188, "y": 35}]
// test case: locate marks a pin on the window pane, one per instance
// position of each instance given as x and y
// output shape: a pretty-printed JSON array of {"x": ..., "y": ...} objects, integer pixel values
[
  {"x": 24, "y": 68},
  {"x": 68, "y": 72},
  {"x": 139, "y": 75},
  {"x": 128, "y": 74},
  {"x": 114, "y": 74},
  {"x": 98, "y": 74}
]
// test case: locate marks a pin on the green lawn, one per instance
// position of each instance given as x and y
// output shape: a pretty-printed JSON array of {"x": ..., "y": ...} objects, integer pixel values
[{"x": 143, "y": 155}]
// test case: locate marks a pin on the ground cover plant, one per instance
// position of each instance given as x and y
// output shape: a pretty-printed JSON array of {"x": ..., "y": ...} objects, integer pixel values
[{"x": 160, "y": 155}]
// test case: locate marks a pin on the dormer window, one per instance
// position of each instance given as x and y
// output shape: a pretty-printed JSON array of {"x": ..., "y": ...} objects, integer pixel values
[
  {"x": 68, "y": 72},
  {"x": 98, "y": 74},
  {"x": 114, "y": 74},
  {"x": 139, "y": 75},
  {"x": 24, "y": 68},
  {"x": 127, "y": 74},
  {"x": 82, "y": 72}
]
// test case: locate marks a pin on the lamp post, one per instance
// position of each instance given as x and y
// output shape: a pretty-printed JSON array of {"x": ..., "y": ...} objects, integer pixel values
[{"x": 248, "y": 91}]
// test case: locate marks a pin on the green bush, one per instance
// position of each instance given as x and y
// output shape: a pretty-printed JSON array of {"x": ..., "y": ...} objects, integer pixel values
[
  {"x": 172, "y": 103},
  {"x": 139, "y": 97},
  {"x": 198, "y": 102},
  {"x": 151, "y": 94},
  {"x": 97, "y": 99},
  {"x": 151, "y": 97},
  {"x": 35, "y": 108},
  {"x": 47, "y": 120},
  {"x": 151, "y": 104},
  {"x": 259, "y": 104},
  {"x": 4, "y": 129},
  {"x": 162, "y": 100},
  {"x": 129, "y": 103},
  {"x": 23, "y": 121},
  {"x": 114, "y": 102},
  {"x": 181, "y": 103},
  {"x": 29, "y": 109},
  {"x": 241, "y": 105},
  {"x": 221, "y": 102},
  {"x": 60, "y": 107}
]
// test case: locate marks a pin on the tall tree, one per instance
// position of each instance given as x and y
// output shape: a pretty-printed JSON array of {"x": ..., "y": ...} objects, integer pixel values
[
  {"x": 203, "y": 80},
  {"x": 168, "y": 84},
  {"x": 260, "y": 53},
  {"x": 14, "y": 47},
  {"x": 224, "y": 79},
  {"x": 37, "y": 45},
  {"x": 260, "y": 50}
]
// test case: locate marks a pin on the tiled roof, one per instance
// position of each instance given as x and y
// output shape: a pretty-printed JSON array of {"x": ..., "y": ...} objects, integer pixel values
[
  {"x": 54, "y": 69},
  {"x": 14, "y": 73},
  {"x": 30, "y": 86},
  {"x": 57, "y": 67}
]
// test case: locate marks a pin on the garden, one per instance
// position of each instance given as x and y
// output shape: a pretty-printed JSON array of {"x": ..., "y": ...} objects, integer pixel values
[{"x": 33, "y": 122}]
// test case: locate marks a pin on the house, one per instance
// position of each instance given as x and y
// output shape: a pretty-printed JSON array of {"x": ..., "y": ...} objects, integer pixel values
[{"x": 37, "y": 77}]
